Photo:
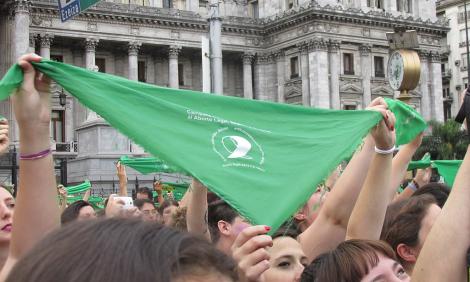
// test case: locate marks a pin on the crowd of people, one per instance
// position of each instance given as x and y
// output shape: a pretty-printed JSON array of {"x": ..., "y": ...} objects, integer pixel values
[{"x": 355, "y": 227}]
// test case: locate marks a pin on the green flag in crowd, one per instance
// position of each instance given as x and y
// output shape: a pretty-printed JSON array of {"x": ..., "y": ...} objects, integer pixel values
[
  {"x": 148, "y": 165},
  {"x": 248, "y": 152},
  {"x": 448, "y": 170}
]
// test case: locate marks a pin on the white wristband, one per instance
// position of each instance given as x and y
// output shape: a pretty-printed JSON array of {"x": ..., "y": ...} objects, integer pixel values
[{"x": 385, "y": 152}]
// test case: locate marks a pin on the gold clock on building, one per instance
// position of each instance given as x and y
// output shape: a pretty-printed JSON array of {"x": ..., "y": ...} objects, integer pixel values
[{"x": 404, "y": 70}]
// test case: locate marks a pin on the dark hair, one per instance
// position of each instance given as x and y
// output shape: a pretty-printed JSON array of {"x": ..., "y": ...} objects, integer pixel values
[
  {"x": 145, "y": 190},
  {"x": 403, "y": 222},
  {"x": 166, "y": 204},
  {"x": 286, "y": 232},
  {"x": 439, "y": 191},
  {"x": 216, "y": 211},
  {"x": 72, "y": 211},
  {"x": 310, "y": 272},
  {"x": 139, "y": 203},
  {"x": 120, "y": 250},
  {"x": 350, "y": 261}
]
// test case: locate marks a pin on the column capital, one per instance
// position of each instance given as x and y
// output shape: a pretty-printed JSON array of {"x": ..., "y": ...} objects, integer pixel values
[
  {"x": 423, "y": 55},
  {"x": 21, "y": 6},
  {"x": 134, "y": 47},
  {"x": 46, "y": 40},
  {"x": 173, "y": 51},
  {"x": 365, "y": 50},
  {"x": 333, "y": 45},
  {"x": 91, "y": 43},
  {"x": 303, "y": 47},
  {"x": 317, "y": 44},
  {"x": 248, "y": 58},
  {"x": 435, "y": 57}
]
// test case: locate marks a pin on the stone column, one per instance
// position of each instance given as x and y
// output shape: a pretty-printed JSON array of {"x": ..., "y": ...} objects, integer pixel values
[
  {"x": 21, "y": 27},
  {"x": 303, "y": 48},
  {"x": 424, "y": 85},
  {"x": 173, "y": 53},
  {"x": 366, "y": 67},
  {"x": 281, "y": 75},
  {"x": 437, "y": 106},
  {"x": 46, "y": 40},
  {"x": 260, "y": 77},
  {"x": 247, "y": 75},
  {"x": 318, "y": 71},
  {"x": 90, "y": 47},
  {"x": 133, "y": 59},
  {"x": 334, "y": 74}
]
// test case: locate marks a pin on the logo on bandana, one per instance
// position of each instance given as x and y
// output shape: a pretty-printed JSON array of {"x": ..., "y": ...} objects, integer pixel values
[{"x": 237, "y": 148}]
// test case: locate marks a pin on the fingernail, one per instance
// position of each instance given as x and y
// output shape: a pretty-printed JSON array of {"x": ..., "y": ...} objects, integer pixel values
[
  {"x": 393, "y": 127},
  {"x": 267, "y": 228}
]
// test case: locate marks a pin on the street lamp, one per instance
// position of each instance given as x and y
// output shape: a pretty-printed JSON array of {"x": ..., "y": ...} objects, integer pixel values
[
  {"x": 464, "y": 111},
  {"x": 62, "y": 98}
]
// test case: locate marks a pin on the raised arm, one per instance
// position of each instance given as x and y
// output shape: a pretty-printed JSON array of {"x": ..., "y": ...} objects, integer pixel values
[
  {"x": 423, "y": 176},
  {"x": 402, "y": 159},
  {"x": 36, "y": 212},
  {"x": 329, "y": 229},
  {"x": 196, "y": 216},
  {"x": 122, "y": 176},
  {"x": 449, "y": 238},
  {"x": 368, "y": 214},
  {"x": 158, "y": 187}
]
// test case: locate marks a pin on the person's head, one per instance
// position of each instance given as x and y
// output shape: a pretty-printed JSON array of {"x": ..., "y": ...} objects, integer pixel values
[
  {"x": 224, "y": 224},
  {"x": 123, "y": 250},
  {"x": 358, "y": 260},
  {"x": 167, "y": 209},
  {"x": 287, "y": 259},
  {"x": 144, "y": 193},
  {"x": 79, "y": 210},
  {"x": 439, "y": 191},
  {"x": 407, "y": 225},
  {"x": 7, "y": 207},
  {"x": 309, "y": 212},
  {"x": 147, "y": 209}
]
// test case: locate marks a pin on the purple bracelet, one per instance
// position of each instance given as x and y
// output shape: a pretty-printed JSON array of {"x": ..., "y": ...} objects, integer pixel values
[{"x": 36, "y": 156}]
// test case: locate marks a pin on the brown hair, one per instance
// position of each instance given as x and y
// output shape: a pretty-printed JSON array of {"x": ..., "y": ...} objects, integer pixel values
[
  {"x": 179, "y": 219},
  {"x": 120, "y": 250},
  {"x": 350, "y": 261},
  {"x": 403, "y": 221}
]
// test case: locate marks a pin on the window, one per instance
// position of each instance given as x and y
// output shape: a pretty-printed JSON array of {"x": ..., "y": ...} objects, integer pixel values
[
  {"x": 181, "y": 74},
  {"x": 254, "y": 9},
  {"x": 101, "y": 64},
  {"x": 203, "y": 3},
  {"x": 399, "y": 6},
  {"x": 463, "y": 38},
  {"x": 461, "y": 18},
  {"x": 294, "y": 67},
  {"x": 58, "y": 126},
  {"x": 57, "y": 58},
  {"x": 370, "y": 3},
  {"x": 464, "y": 60},
  {"x": 379, "y": 4},
  {"x": 379, "y": 66},
  {"x": 167, "y": 4},
  {"x": 408, "y": 6},
  {"x": 348, "y": 63},
  {"x": 141, "y": 71},
  {"x": 350, "y": 107}
]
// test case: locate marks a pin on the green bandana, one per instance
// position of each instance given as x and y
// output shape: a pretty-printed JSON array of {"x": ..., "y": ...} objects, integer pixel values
[{"x": 247, "y": 152}]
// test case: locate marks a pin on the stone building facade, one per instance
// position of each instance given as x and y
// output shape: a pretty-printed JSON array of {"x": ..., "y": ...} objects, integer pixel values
[
  {"x": 454, "y": 60},
  {"x": 323, "y": 53}
]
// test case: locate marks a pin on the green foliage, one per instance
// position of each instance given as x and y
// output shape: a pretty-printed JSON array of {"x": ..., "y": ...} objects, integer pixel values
[{"x": 446, "y": 142}]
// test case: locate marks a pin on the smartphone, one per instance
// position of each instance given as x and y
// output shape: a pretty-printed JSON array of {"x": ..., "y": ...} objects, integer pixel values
[{"x": 128, "y": 202}]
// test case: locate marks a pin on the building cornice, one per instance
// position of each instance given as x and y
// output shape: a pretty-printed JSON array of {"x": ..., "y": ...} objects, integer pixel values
[
  {"x": 172, "y": 18},
  {"x": 313, "y": 11}
]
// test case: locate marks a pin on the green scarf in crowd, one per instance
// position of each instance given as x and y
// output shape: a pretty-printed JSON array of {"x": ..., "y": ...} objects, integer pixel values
[{"x": 265, "y": 159}]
